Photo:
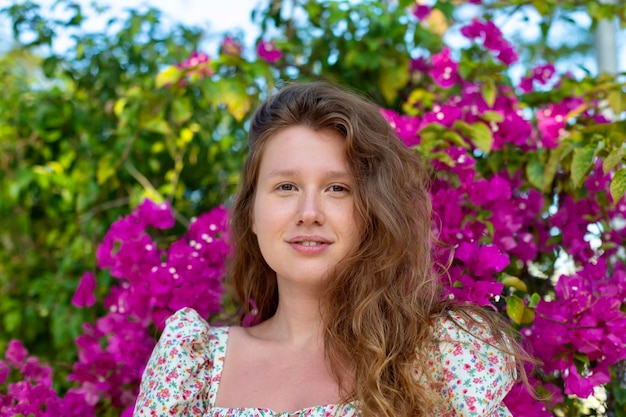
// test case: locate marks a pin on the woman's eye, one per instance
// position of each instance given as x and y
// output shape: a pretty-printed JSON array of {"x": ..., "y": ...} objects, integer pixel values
[
  {"x": 286, "y": 187},
  {"x": 338, "y": 188}
]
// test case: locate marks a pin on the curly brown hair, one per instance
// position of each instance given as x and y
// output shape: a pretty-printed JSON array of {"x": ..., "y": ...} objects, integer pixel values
[{"x": 379, "y": 304}]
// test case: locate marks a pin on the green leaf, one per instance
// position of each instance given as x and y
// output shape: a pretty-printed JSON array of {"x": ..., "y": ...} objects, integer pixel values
[
  {"x": 49, "y": 66},
  {"x": 618, "y": 185},
  {"x": 12, "y": 320},
  {"x": 582, "y": 358},
  {"x": 392, "y": 79},
  {"x": 168, "y": 76},
  {"x": 492, "y": 116},
  {"x": 534, "y": 300},
  {"x": 232, "y": 93},
  {"x": 556, "y": 156},
  {"x": 185, "y": 137},
  {"x": 489, "y": 91},
  {"x": 479, "y": 133},
  {"x": 515, "y": 282},
  {"x": 582, "y": 163},
  {"x": 529, "y": 316},
  {"x": 158, "y": 125},
  {"x": 615, "y": 157},
  {"x": 515, "y": 308},
  {"x": 106, "y": 168},
  {"x": 535, "y": 174},
  {"x": 446, "y": 7},
  {"x": 454, "y": 138},
  {"x": 181, "y": 110},
  {"x": 616, "y": 101}
]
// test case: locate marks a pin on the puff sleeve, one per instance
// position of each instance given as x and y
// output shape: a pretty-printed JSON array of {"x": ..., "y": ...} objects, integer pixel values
[
  {"x": 472, "y": 376},
  {"x": 177, "y": 378}
]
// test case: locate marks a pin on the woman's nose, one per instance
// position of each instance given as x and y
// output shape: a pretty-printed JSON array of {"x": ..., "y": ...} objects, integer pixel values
[{"x": 310, "y": 209}]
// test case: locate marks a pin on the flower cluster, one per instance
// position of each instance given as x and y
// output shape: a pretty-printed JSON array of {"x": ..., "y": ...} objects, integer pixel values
[
  {"x": 33, "y": 393},
  {"x": 492, "y": 221},
  {"x": 585, "y": 320},
  {"x": 267, "y": 51},
  {"x": 155, "y": 281},
  {"x": 230, "y": 46},
  {"x": 198, "y": 65},
  {"x": 492, "y": 39},
  {"x": 541, "y": 75}
]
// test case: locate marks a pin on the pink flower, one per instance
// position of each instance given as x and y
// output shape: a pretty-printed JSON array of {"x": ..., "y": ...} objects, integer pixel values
[
  {"x": 575, "y": 384},
  {"x": 156, "y": 215},
  {"x": 421, "y": 11},
  {"x": 492, "y": 39},
  {"x": 419, "y": 65},
  {"x": 444, "y": 115},
  {"x": 16, "y": 353},
  {"x": 405, "y": 126},
  {"x": 196, "y": 59},
  {"x": 4, "y": 371},
  {"x": 268, "y": 51},
  {"x": 199, "y": 64},
  {"x": 83, "y": 297},
  {"x": 482, "y": 260},
  {"x": 230, "y": 46},
  {"x": 445, "y": 70}
]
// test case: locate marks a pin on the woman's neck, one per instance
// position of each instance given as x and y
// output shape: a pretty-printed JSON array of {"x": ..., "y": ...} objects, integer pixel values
[{"x": 297, "y": 320}]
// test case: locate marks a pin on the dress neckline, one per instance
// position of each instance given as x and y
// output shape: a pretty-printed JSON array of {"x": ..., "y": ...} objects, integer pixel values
[{"x": 219, "y": 342}]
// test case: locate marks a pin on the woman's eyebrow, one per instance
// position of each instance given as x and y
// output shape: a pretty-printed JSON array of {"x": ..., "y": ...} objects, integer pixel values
[{"x": 293, "y": 172}]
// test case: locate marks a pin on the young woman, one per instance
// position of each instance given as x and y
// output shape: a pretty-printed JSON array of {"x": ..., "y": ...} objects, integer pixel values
[{"x": 331, "y": 233}]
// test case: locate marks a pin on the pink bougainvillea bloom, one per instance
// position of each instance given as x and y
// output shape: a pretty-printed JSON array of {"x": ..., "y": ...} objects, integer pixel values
[
  {"x": 575, "y": 384},
  {"x": 75, "y": 404},
  {"x": 526, "y": 84},
  {"x": 550, "y": 125},
  {"x": 492, "y": 39},
  {"x": 155, "y": 215},
  {"x": 522, "y": 404},
  {"x": 507, "y": 55},
  {"x": 199, "y": 64},
  {"x": 419, "y": 65},
  {"x": 444, "y": 70},
  {"x": 230, "y": 46},
  {"x": 476, "y": 292},
  {"x": 444, "y": 115},
  {"x": 268, "y": 51},
  {"x": 543, "y": 73},
  {"x": 474, "y": 30},
  {"x": 4, "y": 371},
  {"x": 421, "y": 11},
  {"x": 483, "y": 260},
  {"x": 196, "y": 59},
  {"x": 405, "y": 126},
  {"x": 15, "y": 353},
  {"x": 84, "y": 297}
]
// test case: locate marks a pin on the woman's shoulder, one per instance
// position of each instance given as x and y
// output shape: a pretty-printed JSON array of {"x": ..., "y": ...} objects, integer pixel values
[
  {"x": 186, "y": 326},
  {"x": 472, "y": 368},
  {"x": 464, "y": 326},
  {"x": 181, "y": 368}
]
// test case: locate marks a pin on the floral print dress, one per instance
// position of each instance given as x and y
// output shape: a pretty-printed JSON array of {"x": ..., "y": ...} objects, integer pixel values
[{"x": 183, "y": 374}]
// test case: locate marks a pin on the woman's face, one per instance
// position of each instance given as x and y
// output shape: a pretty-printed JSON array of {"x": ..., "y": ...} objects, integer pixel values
[{"x": 304, "y": 216}]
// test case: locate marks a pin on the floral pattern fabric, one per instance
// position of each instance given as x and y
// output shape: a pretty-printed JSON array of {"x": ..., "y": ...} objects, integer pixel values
[{"x": 183, "y": 374}]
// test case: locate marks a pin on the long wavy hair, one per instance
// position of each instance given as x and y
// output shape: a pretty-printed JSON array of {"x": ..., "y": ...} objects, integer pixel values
[{"x": 379, "y": 304}]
